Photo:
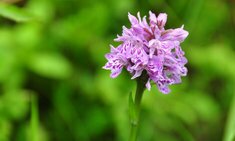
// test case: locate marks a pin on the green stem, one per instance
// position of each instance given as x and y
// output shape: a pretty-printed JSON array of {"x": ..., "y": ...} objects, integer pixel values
[{"x": 134, "y": 119}]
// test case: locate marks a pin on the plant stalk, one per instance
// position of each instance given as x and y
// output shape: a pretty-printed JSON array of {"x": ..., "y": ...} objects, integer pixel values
[{"x": 135, "y": 109}]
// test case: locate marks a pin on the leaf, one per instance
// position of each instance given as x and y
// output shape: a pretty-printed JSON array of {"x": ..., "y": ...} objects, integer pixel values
[
  {"x": 14, "y": 13},
  {"x": 34, "y": 118},
  {"x": 50, "y": 65},
  {"x": 14, "y": 104},
  {"x": 229, "y": 134},
  {"x": 5, "y": 129}
]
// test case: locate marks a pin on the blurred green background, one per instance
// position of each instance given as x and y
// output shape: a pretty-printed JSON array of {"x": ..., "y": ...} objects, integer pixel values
[{"x": 53, "y": 87}]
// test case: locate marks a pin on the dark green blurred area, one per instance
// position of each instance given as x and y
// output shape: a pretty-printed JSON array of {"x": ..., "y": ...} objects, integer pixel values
[{"x": 58, "y": 57}]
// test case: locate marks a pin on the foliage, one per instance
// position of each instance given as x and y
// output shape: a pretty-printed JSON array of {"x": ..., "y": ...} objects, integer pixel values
[{"x": 54, "y": 50}]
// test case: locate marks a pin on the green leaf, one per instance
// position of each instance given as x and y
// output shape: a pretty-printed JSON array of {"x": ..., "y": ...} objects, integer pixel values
[
  {"x": 229, "y": 134},
  {"x": 5, "y": 129},
  {"x": 50, "y": 65},
  {"x": 34, "y": 118},
  {"x": 13, "y": 104},
  {"x": 14, "y": 13}
]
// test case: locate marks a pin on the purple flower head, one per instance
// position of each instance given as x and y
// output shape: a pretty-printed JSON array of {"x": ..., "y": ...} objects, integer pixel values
[{"x": 149, "y": 47}]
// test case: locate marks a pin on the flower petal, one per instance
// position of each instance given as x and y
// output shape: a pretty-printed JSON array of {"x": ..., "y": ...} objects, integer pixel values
[
  {"x": 161, "y": 20},
  {"x": 152, "y": 18},
  {"x": 137, "y": 74},
  {"x": 115, "y": 73},
  {"x": 178, "y": 34},
  {"x": 132, "y": 19},
  {"x": 148, "y": 85}
]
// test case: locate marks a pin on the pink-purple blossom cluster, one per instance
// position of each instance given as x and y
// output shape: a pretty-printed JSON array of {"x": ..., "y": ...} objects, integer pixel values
[{"x": 151, "y": 48}]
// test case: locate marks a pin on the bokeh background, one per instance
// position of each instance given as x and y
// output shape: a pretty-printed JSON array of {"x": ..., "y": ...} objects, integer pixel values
[{"x": 53, "y": 87}]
